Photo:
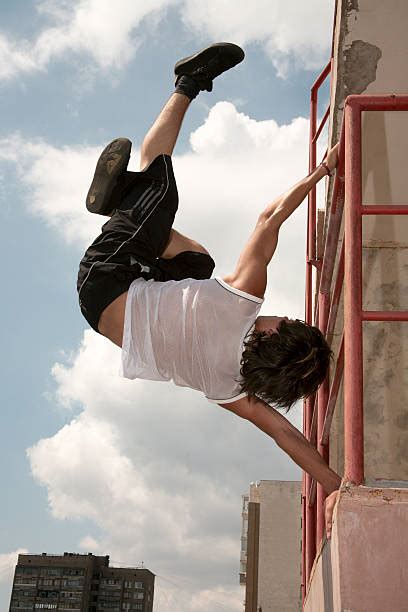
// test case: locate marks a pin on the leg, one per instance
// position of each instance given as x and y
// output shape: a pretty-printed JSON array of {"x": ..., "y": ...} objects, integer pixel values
[
  {"x": 194, "y": 73},
  {"x": 179, "y": 243},
  {"x": 184, "y": 258},
  {"x": 162, "y": 136}
]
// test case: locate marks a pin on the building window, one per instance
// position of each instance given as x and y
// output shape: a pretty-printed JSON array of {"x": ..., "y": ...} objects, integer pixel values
[
  {"x": 72, "y": 582},
  {"x": 27, "y": 570},
  {"x": 49, "y": 581},
  {"x": 111, "y": 582},
  {"x": 68, "y": 571},
  {"x": 111, "y": 593},
  {"x": 50, "y": 571},
  {"x": 24, "y": 593},
  {"x": 70, "y": 594},
  {"x": 25, "y": 581},
  {"x": 49, "y": 594}
]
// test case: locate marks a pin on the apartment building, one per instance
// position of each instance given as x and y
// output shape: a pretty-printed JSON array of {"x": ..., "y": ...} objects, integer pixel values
[
  {"x": 270, "y": 564},
  {"x": 83, "y": 582}
]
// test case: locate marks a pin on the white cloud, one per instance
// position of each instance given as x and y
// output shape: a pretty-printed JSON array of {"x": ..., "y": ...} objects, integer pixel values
[
  {"x": 293, "y": 34},
  {"x": 8, "y": 562},
  {"x": 144, "y": 463},
  {"x": 56, "y": 183},
  {"x": 90, "y": 544},
  {"x": 15, "y": 57},
  {"x": 171, "y": 598},
  {"x": 236, "y": 167},
  {"x": 100, "y": 29},
  {"x": 158, "y": 469}
]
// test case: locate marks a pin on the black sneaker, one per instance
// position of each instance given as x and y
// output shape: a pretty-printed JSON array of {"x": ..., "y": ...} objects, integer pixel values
[
  {"x": 111, "y": 163},
  {"x": 209, "y": 63}
]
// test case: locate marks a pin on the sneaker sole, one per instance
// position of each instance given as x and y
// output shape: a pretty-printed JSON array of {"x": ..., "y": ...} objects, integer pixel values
[
  {"x": 112, "y": 161},
  {"x": 192, "y": 62}
]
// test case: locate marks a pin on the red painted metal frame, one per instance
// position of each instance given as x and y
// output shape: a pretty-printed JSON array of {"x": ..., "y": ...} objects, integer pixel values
[
  {"x": 354, "y": 315},
  {"x": 308, "y": 525},
  {"x": 309, "y": 514},
  {"x": 318, "y": 414}
]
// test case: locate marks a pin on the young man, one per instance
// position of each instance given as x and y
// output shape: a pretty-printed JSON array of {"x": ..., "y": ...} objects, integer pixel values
[{"x": 149, "y": 289}]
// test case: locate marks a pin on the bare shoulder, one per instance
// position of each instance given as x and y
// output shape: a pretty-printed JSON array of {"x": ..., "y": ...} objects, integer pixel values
[
  {"x": 112, "y": 320},
  {"x": 243, "y": 281},
  {"x": 243, "y": 407}
]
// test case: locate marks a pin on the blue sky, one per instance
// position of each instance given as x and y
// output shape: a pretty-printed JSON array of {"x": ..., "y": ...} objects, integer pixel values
[{"x": 59, "y": 106}]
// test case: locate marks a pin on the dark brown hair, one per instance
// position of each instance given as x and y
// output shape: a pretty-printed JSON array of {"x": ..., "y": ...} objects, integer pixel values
[{"x": 283, "y": 367}]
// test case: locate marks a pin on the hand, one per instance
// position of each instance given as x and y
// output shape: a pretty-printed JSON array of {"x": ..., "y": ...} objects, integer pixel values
[
  {"x": 332, "y": 157},
  {"x": 329, "y": 504}
]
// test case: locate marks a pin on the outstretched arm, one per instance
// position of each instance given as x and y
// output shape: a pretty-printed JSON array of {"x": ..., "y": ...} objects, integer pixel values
[
  {"x": 288, "y": 438},
  {"x": 250, "y": 274}
]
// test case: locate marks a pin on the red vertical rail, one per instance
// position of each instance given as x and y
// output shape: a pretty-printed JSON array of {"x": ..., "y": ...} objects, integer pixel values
[
  {"x": 353, "y": 336},
  {"x": 309, "y": 510},
  {"x": 322, "y": 402},
  {"x": 308, "y": 544},
  {"x": 307, "y": 530}
]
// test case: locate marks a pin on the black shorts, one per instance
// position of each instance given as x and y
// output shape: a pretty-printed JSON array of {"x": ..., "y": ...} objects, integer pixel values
[{"x": 132, "y": 242}]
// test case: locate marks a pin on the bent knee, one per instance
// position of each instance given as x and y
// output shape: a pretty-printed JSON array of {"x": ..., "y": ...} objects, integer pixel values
[
  {"x": 196, "y": 247},
  {"x": 179, "y": 243}
]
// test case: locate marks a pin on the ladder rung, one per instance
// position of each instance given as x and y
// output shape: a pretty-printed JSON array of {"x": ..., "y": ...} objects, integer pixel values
[
  {"x": 384, "y": 315},
  {"x": 384, "y": 209}
]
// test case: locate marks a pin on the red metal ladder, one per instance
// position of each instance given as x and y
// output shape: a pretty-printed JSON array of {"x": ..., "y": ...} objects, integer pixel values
[{"x": 319, "y": 410}]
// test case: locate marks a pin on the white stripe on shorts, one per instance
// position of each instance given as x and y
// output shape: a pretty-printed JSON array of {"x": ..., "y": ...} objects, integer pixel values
[{"x": 146, "y": 199}]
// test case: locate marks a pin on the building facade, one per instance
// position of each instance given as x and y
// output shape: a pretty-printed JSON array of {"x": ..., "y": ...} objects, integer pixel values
[
  {"x": 363, "y": 566},
  {"x": 270, "y": 565},
  {"x": 79, "y": 582}
]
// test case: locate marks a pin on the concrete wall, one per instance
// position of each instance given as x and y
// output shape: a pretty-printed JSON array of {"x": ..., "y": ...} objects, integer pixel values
[
  {"x": 363, "y": 568},
  {"x": 279, "y": 555},
  {"x": 370, "y": 56}
]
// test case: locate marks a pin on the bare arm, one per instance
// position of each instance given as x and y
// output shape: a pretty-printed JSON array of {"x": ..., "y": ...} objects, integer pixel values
[
  {"x": 290, "y": 200},
  {"x": 288, "y": 438},
  {"x": 250, "y": 274}
]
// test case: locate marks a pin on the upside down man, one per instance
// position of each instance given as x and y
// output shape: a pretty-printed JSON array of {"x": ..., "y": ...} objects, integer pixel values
[{"x": 149, "y": 289}]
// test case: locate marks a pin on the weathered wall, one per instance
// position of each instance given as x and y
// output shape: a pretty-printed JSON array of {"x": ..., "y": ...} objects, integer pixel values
[
  {"x": 370, "y": 51},
  {"x": 366, "y": 556}
]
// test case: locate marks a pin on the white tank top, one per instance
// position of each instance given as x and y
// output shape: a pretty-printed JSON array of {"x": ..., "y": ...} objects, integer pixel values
[{"x": 189, "y": 331}]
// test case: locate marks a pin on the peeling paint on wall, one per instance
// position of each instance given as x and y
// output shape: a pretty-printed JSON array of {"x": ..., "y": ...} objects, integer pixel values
[
  {"x": 360, "y": 66},
  {"x": 356, "y": 64},
  {"x": 352, "y": 5}
]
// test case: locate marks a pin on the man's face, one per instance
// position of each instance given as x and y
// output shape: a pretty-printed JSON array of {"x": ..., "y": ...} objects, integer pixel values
[{"x": 270, "y": 324}]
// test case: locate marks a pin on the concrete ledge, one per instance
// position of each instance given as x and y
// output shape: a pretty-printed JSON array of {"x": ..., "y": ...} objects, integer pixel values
[{"x": 365, "y": 563}]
